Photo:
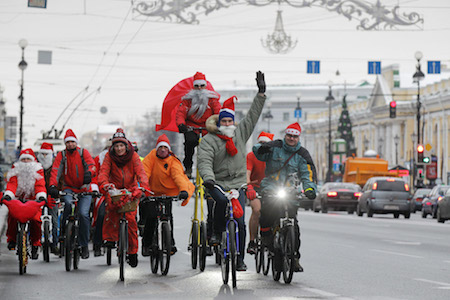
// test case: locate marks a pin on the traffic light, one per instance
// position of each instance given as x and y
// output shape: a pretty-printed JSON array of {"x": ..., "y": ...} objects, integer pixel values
[
  {"x": 393, "y": 109},
  {"x": 420, "y": 150},
  {"x": 426, "y": 160}
]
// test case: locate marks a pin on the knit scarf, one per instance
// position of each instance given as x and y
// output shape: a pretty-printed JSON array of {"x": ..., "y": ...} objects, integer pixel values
[
  {"x": 231, "y": 148},
  {"x": 122, "y": 160}
]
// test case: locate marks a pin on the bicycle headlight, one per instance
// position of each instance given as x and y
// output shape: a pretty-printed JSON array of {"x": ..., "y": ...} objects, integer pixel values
[{"x": 281, "y": 193}]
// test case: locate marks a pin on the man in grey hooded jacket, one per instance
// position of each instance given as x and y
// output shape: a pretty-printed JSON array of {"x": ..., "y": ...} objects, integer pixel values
[{"x": 222, "y": 160}]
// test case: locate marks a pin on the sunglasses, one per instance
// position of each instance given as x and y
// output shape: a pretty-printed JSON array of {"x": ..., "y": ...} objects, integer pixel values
[{"x": 199, "y": 85}]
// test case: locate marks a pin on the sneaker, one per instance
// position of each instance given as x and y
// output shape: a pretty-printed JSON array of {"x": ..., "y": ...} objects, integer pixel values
[
  {"x": 297, "y": 266},
  {"x": 145, "y": 251},
  {"x": 173, "y": 250},
  {"x": 252, "y": 248},
  {"x": 84, "y": 252},
  {"x": 97, "y": 250},
  {"x": 11, "y": 245},
  {"x": 241, "y": 266},
  {"x": 34, "y": 252},
  {"x": 215, "y": 239},
  {"x": 132, "y": 260}
]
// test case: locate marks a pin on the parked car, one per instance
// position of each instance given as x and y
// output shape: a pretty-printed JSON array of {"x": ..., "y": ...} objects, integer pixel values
[
  {"x": 416, "y": 202},
  {"x": 337, "y": 196},
  {"x": 385, "y": 195},
  {"x": 443, "y": 208},
  {"x": 429, "y": 203}
]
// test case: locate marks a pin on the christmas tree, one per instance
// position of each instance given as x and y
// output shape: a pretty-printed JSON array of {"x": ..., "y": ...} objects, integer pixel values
[{"x": 345, "y": 129}]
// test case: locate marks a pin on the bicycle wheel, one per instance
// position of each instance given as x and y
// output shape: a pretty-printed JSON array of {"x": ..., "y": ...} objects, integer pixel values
[
  {"x": 259, "y": 256},
  {"x": 76, "y": 249},
  {"x": 288, "y": 255},
  {"x": 224, "y": 258},
  {"x": 166, "y": 247},
  {"x": 121, "y": 249},
  {"x": 68, "y": 245},
  {"x": 203, "y": 245},
  {"x": 266, "y": 259},
  {"x": 154, "y": 255},
  {"x": 22, "y": 249},
  {"x": 108, "y": 256},
  {"x": 46, "y": 243},
  {"x": 233, "y": 250},
  {"x": 194, "y": 244}
]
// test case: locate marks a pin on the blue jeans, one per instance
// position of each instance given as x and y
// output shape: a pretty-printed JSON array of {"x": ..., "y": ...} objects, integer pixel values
[
  {"x": 219, "y": 217},
  {"x": 84, "y": 205}
]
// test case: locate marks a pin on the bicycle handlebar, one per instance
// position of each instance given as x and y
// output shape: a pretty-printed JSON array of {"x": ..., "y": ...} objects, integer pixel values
[
  {"x": 191, "y": 128},
  {"x": 159, "y": 198},
  {"x": 76, "y": 195}
]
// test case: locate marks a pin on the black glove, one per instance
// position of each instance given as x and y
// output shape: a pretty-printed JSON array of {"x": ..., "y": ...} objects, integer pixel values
[
  {"x": 310, "y": 193},
  {"x": 183, "y": 195},
  {"x": 42, "y": 199},
  {"x": 182, "y": 128},
  {"x": 260, "y": 82},
  {"x": 53, "y": 191},
  {"x": 209, "y": 184},
  {"x": 87, "y": 177},
  {"x": 267, "y": 147}
]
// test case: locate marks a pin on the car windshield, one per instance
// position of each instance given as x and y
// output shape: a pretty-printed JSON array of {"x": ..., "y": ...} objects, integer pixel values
[
  {"x": 391, "y": 185},
  {"x": 341, "y": 186},
  {"x": 422, "y": 192}
]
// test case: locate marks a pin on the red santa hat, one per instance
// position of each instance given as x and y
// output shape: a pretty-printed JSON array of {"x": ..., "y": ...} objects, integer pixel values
[
  {"x": 227, "y": 110},
  {"x": 294, "y": 129},
  {"x": 199, "y": 79},
  {"x": 163, "y": 140},
  {"x": 119, "y": 136},
  {"x": 70, "y": 136},
  {"x": 265, "y": 137},
  {"x": 46, "y": 148},
  {"x": 27, "y": 153}
]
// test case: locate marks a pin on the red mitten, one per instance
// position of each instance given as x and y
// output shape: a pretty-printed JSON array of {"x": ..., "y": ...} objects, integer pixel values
[
  {"x": 51, "y": 202},
  {"x": 238, "y": 212},
  {"x": 136, "y": 193},
  {"x": 251, "y": 193}
]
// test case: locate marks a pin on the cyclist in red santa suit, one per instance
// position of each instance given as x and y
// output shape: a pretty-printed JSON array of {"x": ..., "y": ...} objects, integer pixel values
[
  {"x": 26, "y": 181},
  {"x": 195, "y": 108}
]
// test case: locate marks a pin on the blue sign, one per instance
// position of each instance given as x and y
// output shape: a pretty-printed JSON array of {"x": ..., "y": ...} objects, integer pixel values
[
  {"x": 313, "y": 67},
  {"x": 37, "y": 3},
  {"x": 434, "y": 67},
  {"x": 336, "y": 167},
  {"x": 374, "y": 67},
  {"x": 298, "y": 113}
]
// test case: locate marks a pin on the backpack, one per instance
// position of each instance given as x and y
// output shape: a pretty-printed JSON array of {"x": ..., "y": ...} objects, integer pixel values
[{"x": 64, "y": 159}]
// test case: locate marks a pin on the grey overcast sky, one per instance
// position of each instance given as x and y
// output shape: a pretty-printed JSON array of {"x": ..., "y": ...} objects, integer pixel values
[{"x": 135, "y": 60}]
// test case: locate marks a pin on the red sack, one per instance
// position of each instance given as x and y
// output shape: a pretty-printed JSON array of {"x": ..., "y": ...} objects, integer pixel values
[
  {"x": 238, "y": 212},
  {"x": 23, "y": 212}
]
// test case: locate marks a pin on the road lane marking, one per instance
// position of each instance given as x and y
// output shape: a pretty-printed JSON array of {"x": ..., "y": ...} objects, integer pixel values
[
  {"x": 322, "y": 293},
  {"x": 409, "y": 243},
  {"x": 396, "y": 253},
  {"x": 444, "y": 285}
]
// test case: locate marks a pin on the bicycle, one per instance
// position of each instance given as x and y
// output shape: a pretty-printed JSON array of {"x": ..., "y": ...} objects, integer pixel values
[
  {"x": 71, "y": 230},
  {"x": 47, "y": 230},
  {"x": 23, "y": 211},
  {"x": 229, "y": 245},
  {"x": 162, "y": 235},
  {"x": 282, "y": 256},
  {"x": 198, "y": 236},
  {"x": 262, "y": 255}
]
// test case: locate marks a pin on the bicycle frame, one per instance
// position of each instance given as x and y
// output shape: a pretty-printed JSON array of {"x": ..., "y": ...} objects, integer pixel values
[{"x": 199, "y": 188}]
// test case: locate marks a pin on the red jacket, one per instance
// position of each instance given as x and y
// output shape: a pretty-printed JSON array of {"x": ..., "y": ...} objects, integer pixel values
[
  {"x": 125, "y": 177},
  {"x": 12, "y": 188},
  {"x": 72, "y": 171},
  {"x": 183, "y": 109}
]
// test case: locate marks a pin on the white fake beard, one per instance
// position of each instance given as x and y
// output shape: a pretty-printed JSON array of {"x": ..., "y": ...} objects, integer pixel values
[
  {"x": 26, "y": 178},
  {"x": 228, "y": 130},
  {"x": 199, "y": 101},
  {"x": 46, "y": 161}
]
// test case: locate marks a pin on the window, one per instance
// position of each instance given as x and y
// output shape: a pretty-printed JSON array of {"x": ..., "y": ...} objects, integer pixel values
[
  {"x": 394, "y": 185},
  {"x": 286, "y": 116}
]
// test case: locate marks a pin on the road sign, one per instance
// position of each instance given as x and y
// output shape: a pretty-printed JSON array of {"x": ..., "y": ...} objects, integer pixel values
[
  {"x": 374, "y": 67},
  {"x": 434, "y": 67},
  {"x": 313, "y": 67},
  {"x": 428, "y": 147},
  {"x": 37, "y": 3},
  {"x": 298, "y": 113}
]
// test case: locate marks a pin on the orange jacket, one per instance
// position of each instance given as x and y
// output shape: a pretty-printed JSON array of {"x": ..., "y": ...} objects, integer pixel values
[
  {"x": 166, "y": 176},
  {"x": 126, "y": 177}
]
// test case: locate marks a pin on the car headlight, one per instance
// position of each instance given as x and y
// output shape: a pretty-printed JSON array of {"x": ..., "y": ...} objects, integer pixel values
[{"x": 281, "y": 193}]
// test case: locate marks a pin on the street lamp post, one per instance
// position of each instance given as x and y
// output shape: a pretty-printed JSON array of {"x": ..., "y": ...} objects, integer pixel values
[
  {"x": 396, "y": 140},
  {"x": 22, "y": 66},
  {"x": 298, "y": 109},
  {"x": 329, "y": 99},
  {"x": 268, "y": 116},
  {"x": 417, "y": 77}
]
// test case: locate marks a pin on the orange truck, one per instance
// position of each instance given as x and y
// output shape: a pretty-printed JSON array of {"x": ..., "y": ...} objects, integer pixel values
[{"x": 359, "y": 169}]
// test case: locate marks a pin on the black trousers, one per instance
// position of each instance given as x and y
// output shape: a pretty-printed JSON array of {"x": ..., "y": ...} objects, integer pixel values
[
  {"x": 272, "y": 210},
  {"x": 150, "y": 215},
  {"x": 98, "y": 233},
  {"x": 190, "y": 142}
]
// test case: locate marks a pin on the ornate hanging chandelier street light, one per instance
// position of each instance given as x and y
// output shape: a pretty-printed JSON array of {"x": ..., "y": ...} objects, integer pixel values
[{"x": 278, "y": 42}]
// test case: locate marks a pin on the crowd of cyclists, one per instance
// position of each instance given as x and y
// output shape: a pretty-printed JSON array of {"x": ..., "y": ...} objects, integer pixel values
[{"x": 223, "y": 164}]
